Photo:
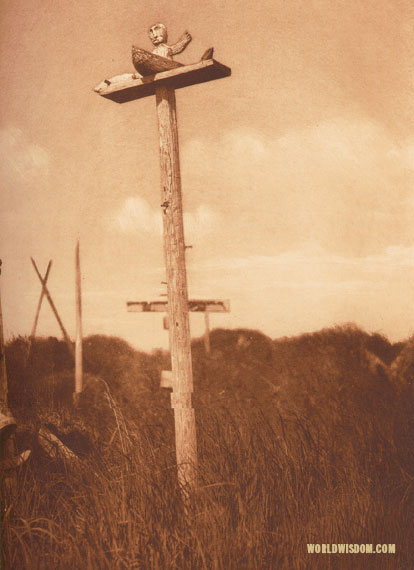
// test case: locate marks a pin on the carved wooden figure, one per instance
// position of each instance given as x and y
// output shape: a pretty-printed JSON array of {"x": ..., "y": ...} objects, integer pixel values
[
  {"x": 159, "y": 36},
  {"x": 161, "y": 58}
]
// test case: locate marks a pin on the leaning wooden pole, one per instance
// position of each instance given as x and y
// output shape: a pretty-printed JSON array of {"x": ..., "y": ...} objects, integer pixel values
[
  {"x": 78, "y": 341},
  {"x": 174, "y": 251},
  {"x": 7, "y": 425},
  {"x": 3, "y": 372}
]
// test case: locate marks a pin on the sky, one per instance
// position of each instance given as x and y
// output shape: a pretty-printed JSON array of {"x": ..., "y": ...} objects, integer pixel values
[{"x": 297, "y": 171}]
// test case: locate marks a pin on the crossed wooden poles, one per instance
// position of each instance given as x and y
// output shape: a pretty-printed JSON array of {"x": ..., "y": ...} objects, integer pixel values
[
  {"x": 45, "y": 293},
  {"x": 77, "y": 352}
]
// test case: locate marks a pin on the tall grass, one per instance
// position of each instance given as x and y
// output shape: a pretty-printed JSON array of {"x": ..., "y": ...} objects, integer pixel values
[{"x": 299, "y": 442}]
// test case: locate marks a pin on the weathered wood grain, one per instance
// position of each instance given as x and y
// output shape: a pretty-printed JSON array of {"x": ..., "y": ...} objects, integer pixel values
[{"x": 174, "y": 252}]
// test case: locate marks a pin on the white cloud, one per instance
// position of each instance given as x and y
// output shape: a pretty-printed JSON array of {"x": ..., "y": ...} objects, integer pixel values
[
  {"x": 309, "y": 267},
  {"x": 393, "y": 257},
  {"x": 346, "y": 183},
  {"x": 308, "y": 287},
  {"x": 201, "y": 222},
  {"x": 136, "y": 215},
  {"x": 405, "y": 154},
  {"x": 21, "y": 160}
]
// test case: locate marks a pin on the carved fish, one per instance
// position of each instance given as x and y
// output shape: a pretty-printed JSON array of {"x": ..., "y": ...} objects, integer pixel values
[{"x": 147, "y": 63}]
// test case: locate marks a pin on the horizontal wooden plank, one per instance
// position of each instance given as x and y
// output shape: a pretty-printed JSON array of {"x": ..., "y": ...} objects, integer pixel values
[
  {"x": 194, "y": 305},
  {"x": 147, "y": 307},
  {"x": 209, "y": 305},
  {"x": 129, "y": 89}
]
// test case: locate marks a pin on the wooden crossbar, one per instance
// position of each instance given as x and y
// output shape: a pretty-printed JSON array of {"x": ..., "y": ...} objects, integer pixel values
[
  {"x": 131, "y": 89},
  {"x": 194, "y": 305}
]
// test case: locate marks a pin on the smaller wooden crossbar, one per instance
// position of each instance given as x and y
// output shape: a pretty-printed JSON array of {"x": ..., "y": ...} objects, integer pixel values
[{"x": 194, "y": 305}]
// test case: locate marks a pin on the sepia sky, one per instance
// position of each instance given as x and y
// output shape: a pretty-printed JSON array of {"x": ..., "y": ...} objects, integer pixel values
[{"x": 297, "y": 171}]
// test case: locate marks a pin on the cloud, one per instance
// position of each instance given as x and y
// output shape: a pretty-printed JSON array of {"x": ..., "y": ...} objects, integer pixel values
[
  {"x": 404, "y": 154},
  {"x": 309, "y": 267},
  {"x": 345, "y": 182},
  {"x": 308, "y": 287},
  {"x": 22, "y": 161},
  {"x": 201, "y": 222},
  {"x": 136, "y": 215},
  {"x": 25, "y": 190},
  {"x": 396, "y": 256}
]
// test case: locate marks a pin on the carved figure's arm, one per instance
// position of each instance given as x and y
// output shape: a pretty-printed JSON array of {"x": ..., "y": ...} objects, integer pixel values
[{"x": 181, "y": 44}]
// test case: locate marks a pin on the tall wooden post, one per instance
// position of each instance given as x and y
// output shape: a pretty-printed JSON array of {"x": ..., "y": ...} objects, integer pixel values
[
  {"x": 161, "y": 77},
  {"x": 78, "y": 341},
  {"x": 174, "y": 251}
]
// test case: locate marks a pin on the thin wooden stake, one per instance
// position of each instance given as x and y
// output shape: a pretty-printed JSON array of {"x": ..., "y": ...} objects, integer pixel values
[
  {"x": 174, "y": 250},
  {"x": 207, "y": 332},
  {"x": 52, "y": 306},
  {"x": 3, "y": 371},
  {"x": 78, "y": 342}
]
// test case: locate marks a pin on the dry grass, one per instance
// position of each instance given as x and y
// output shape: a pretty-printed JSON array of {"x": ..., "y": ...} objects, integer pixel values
[{"x": 299, "y": 441}]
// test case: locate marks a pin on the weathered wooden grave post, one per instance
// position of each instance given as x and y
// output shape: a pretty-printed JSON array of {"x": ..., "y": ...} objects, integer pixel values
[
  {"x": 78, "y": 340},
  {"x": 160, "y": 76}
]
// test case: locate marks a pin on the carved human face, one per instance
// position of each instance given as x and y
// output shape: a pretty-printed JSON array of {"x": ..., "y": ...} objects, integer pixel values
[{"x": 158, "y": 34}]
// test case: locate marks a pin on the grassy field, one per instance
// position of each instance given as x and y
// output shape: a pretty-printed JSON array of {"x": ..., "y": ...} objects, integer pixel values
[{"x": 301, "y": 440}]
